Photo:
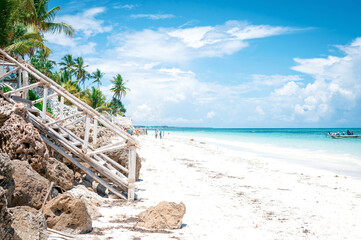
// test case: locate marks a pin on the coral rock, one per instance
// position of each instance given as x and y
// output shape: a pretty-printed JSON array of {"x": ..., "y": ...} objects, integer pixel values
[
  {"x": 28, "y": 223},
  {"x": 165, "y": 215},
  {"x": 6, "y": 231},
  {"x": 59, "y": 173},
  {"x": 6, "y": 176},
  {"x": 67, "y": 214},
  {"x": 30, "y": 187}
]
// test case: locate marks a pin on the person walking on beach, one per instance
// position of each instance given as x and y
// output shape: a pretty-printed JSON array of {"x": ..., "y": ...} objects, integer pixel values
[
  {"x": 160, "y": 134},
  {"x": 156, "y": 133}
]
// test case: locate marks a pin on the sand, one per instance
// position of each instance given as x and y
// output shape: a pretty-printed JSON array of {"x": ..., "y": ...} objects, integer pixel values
[{"x": 231, "y": 194}]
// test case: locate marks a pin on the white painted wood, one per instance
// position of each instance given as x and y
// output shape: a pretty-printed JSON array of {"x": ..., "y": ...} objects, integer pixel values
[
  {"x": 34, "y": 85},
  {"x": 66, "y": 118},
  {"x": 114, "y": 163},
  {"x": 45, "y": 97},
  {"x": 95, "y": 132},
  {"x": 9, "y": 73},
  {"x": 42, "y": 99},
  {"x": 19, "y": 78},
  {"x": 131, "y": 174},
  {"x": 75, "y": 121},
  {"x": 61, "y": 107},
  {"x": 86, "y": 134},
  {"x": 106, "y": 149},
  {"x": 25, "y": 83}
]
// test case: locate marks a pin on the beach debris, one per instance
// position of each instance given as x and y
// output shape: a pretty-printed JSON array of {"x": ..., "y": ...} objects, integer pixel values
[
  {"x": 191, "y": 139},
  {"x": 6, "y": 176},
  {"x": 20, "y": 139},
  {"x": 67, "y": 214},
  {"x": 165, "y": 215},
  {"x": 28, "y": 223},
  {"x": 121, "y": 157},
  {"x": 30, "y": 186},
  {"x": 59, "y": 173}
]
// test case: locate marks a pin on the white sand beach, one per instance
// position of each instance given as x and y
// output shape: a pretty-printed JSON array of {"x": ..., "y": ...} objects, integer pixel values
[{"x": 230, "y": 194}]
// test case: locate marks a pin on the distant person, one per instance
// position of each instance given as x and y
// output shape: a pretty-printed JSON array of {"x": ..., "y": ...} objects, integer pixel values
[
  {"x": 160, "y": 134},
  {"x": 348, "y": 132},
  {"x": 352, "y": 133},
  {"x": 156, "y": 133}
]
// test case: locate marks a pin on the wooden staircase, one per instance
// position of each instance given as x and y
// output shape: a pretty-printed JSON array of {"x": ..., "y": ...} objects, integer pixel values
[{"x": 104, "y": 170}]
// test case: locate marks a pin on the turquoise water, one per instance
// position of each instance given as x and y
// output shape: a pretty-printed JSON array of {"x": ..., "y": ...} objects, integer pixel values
[{"x": 347, "y": 152}]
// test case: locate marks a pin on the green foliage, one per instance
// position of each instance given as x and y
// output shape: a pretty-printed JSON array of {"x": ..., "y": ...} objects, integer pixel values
[
  {"x": 32, "y": 97},
  {"x": 119, "y": 89}
]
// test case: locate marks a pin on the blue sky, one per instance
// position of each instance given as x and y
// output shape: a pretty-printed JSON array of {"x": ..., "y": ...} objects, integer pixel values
[{"x": 224, "y": 63}]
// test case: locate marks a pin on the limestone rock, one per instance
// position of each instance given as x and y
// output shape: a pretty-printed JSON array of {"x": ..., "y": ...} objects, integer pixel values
[
  {"x": 121, "y": 157},
  {"x": 20, "y": 140},
  {"x": 30, "y": 187},
  {"x": 165, "y": 215},
  {"x": 6, "y": 231},
  {"x": 67, "y": 214},
  {"x": 28, "y": 223},
  {"x": 58, "y": 173},
  {"x": 91, "y": 199},
  {"x": 6, "y": 176}
]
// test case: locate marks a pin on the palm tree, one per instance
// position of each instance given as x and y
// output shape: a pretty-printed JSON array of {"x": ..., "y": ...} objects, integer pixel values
[
  {"x": 119, "y": 89},
  {"x": 41, "y": 62},
  {"x": 97, "y": 76},
  {"x": 68, "y": 65},
  {"x": 37, "y": 14},
  {"x": 96, "y": 99},
  {"x": 80, "y": 72},
  {"x": 116, "y": 107}
]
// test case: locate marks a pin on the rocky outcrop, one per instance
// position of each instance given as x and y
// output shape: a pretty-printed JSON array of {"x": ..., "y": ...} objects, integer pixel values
[
  {"x": 30, "y": 187},
  {"x": 121, "y": 157},
  {"x": 6, "y": 231},
  {"x": 165, "y": 215},
  {"x": 6, "y": 176},
  {"x": 67, "y": 214},
  {"x": 28, "y": 223},
  {"x": 19, "y": 139},
  {"x": 58, "y": 173}
]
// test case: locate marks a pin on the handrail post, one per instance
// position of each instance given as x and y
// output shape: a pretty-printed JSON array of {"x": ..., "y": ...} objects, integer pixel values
[
  {"x": 45, "y": 96},
  {"x": 86, "y": 134},
  {"x": 131, "y": 174}
]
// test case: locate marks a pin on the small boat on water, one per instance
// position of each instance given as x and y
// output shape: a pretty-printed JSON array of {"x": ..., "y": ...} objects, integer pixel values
[{"x": 345, "y": 136}]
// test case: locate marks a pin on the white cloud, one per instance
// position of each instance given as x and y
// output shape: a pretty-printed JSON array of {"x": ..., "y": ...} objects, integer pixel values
[
  {"x": 182, "y": 44},
  {"x": 86, "y": 22},
  {"x": 211, "y": 114},
  {"x": 74, "y": 45},
  {"x": 152, "y": 16},
  {"x": 126, "y": 6}
]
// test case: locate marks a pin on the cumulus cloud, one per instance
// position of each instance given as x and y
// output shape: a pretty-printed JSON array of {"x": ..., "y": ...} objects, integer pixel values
[
  {"x": 183, "y": 44},
  {"x": 86, "y": 22}
]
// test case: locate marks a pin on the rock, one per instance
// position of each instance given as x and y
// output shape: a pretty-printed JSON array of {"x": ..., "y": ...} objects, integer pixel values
[
  {"x": 91, "y": 199},
  {"x": 165, "y": 215},
  {"x": 67, "y": 214},
  {"x": 20, "y": 140},
  {"x": 6, "y": 176},
  {"x": 58, "y": 173},
  {"x": 6, "y": 231},
  {"x": 30, "y": 187},
  {"x": 121, "y": 157},
  {"x": 28, "y": 223}
]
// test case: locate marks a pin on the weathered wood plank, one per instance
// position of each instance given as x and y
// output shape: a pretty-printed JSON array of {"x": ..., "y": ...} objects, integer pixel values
[{"x": 131, "y": 174}]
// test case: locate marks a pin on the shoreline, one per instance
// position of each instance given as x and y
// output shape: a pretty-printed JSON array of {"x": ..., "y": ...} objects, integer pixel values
[{"x": 232, "y": 195}]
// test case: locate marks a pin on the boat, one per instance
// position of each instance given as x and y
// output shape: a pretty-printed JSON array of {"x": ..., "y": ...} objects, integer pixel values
[{"x": 345, "y": 136}]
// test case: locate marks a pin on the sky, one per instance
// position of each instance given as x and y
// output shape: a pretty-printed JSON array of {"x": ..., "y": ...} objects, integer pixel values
[{"x": 242, "y": 64}]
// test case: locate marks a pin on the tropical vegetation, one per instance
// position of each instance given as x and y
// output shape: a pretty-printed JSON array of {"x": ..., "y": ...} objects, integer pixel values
[{"x": 23, "y": 28}]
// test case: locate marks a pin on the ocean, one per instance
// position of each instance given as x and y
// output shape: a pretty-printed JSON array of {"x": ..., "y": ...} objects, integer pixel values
[{"x": 306, "y": 146}]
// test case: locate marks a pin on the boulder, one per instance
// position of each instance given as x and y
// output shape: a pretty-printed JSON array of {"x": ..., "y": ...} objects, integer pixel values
[
  {"x": 30, "y": 186},
  {"x": 28, "y": 223},
  {"x": 121, "y": 157},
  {"x": 20, "y": 140},
  {"x": 6, "y": 231},
  {"x": 58, "y": 173},
  {"x": 67, "y": 214},
  {"x": 165, "y": 215},
  {"x": 91, "y": 199},
  {"x": 6, "y": 176}
]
